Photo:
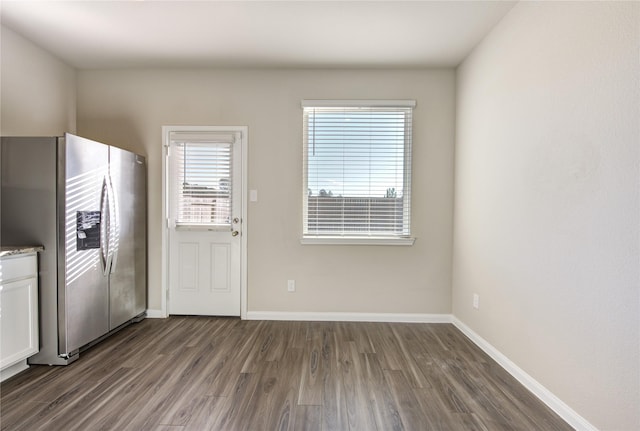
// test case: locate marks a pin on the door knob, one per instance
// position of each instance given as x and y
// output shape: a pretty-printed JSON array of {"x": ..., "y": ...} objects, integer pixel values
[{"x": 234, "y": 233}]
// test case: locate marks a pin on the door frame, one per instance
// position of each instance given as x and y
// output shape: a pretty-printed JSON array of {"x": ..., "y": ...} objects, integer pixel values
[{"x": 166, "y": 130}]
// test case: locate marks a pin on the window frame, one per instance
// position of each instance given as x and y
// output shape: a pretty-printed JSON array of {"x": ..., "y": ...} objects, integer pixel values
[{"x": 404, "y": 239}]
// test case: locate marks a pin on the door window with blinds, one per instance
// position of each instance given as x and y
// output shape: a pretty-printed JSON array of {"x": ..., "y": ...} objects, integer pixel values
[
  {"x": 357, "y": 169},
  {"x": 202, "y": 172}
]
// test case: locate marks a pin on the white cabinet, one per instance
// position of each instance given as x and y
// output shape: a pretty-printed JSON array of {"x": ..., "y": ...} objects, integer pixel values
[{"x": 18, "y": 311}]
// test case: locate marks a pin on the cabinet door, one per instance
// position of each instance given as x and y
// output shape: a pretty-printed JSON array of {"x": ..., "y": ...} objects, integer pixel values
[{"x": 18, "y": 321}]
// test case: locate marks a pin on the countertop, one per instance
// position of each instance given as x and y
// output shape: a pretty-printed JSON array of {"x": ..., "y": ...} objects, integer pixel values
[{"x": 13, "y": 250}]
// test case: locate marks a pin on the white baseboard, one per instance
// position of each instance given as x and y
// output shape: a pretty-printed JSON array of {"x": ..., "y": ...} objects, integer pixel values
[
  {"x": 13, "y": 370},
  {"x": 545, "y": 395},
  {"x": 350, "y": 317},
  {"x": 155, "y": 314}
]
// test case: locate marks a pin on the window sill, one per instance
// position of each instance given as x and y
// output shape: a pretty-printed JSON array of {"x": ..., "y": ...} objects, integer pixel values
[{"x": 357, "y": 241}]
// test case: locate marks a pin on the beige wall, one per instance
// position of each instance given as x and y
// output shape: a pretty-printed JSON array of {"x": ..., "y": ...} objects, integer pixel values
[
  {"x": 546, "y": 206},
  {"x": 38, "y": 91},
  {"x": 128, "y": 108}
]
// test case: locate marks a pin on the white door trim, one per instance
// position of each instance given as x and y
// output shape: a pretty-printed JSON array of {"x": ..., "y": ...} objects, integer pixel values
[{"x": 244, "y": 130}]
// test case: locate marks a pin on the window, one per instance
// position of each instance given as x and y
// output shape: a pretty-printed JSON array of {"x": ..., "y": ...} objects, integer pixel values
[
  {"x": 201, "y": 164},
  {"x": 357, "y": 171}
]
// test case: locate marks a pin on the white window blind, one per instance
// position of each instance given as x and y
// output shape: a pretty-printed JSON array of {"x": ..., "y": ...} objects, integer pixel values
[
  {"x": 201, "y": 164},
  {"x": 357, "y": 169}
]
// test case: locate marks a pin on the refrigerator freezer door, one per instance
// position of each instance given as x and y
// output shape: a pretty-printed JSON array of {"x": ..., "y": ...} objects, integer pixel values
[
  {"x": 128, "y": 282},
  {"x": 83, "y": 289}
]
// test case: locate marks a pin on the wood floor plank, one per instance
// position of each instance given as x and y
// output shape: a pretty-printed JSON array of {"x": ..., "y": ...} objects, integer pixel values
[
  {"x": 188, "y": 373},
  {"x": 306, "y": 418},
  {"x": 281, "y": 402},
  {"x": 384, "y": 407},
  {"x": 92, "y": 405},
  {"x": 408, "y": 364},
  {"x": 357, "y": 333},
  {"x": 386, "y": 346},
  {"x": 334, "y": 406},
  {"x": 256, "y": 346},
  {"x": 22, "y": 386},
  {"x": 436, "y": 414},
  {"x": 311, "y": 390},
  {"x": 204, "y": 414},
  {"x": 229, "y": 360},
  {"x": 11, "y": 417},
  {"x": 491, "y": 408},
  {"x": 405, "y": 399},
  {"x": 386, "y": 411},
  {"x": 178, "y": 409},
  {"x": 173, "y": 388},
  {"x": 260, "y": 405},
  {"x": 182, "y": 412},
  {"x": 467, "y": 421},
  {"x": 439, "y": 375},
  {"x": 503, "y": 387},
  {"x": 134, "y": 396},
  {"x": 234, "y": 407},
  {"x": 37, "y": 419},
  {"x": 355, "y": 382}
]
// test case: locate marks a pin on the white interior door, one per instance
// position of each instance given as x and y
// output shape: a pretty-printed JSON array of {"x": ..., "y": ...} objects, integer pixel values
[{"x": 205, "y": 222}]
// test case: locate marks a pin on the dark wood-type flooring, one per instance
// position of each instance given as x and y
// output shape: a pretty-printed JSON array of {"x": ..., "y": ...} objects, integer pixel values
[{"x": 201, "y": 373}]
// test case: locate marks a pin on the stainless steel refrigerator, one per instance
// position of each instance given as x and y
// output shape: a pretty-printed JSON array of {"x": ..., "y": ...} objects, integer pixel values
[{"x": 85, "y": 202}]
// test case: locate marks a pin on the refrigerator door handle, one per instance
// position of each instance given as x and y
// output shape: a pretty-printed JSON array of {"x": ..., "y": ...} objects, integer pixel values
[
  {"x": 104, "y": 227},
  {"x": 114, "y": 226}
]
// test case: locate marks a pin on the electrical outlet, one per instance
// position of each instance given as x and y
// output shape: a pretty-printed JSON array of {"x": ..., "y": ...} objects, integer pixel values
[
  {"x": 476, "y": 301},
  {"x": 291, "y": 285}
]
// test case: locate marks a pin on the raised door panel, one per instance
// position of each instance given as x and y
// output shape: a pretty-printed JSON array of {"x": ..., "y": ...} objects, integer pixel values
[{"x": 220, "y": 255}]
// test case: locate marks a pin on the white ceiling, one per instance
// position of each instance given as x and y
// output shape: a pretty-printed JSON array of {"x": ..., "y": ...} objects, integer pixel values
[{"x": 123, "y": 34}]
